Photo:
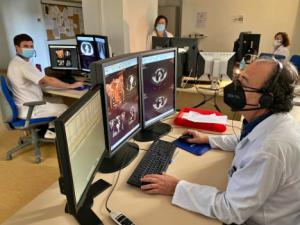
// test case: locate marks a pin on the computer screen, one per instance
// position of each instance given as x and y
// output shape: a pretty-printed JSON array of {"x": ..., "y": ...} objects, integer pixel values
[
  {"x": 218, "y": 65},
  {"x": 64, "y": 57},
  {"x": 91, "y": 48},
  {"x": 189, "y": 46},
  {"x": 247, "y": 45},
  {"x": 120, "y": 90},
  {"x": 158, "y": 74},
  {"x": 160, "y": 42},
  {"x": 80, "y": 144}
]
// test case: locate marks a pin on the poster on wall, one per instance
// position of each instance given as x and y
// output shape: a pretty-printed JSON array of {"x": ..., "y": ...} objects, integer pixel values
[
  {"x": 201, "y": 19},
  {"x": 62, "y": 21}
]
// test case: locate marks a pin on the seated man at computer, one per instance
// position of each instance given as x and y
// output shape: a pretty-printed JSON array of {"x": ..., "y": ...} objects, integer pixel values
[
  {"x": 263, "y": 183},
  {"x": 26, "y": 81}
]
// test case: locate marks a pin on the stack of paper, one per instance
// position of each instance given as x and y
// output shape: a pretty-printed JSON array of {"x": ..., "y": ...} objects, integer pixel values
[{"x": 200, "y": 118}]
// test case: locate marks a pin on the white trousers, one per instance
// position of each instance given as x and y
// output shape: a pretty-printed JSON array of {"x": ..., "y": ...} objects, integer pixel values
[{"x": 47, "y": 110}]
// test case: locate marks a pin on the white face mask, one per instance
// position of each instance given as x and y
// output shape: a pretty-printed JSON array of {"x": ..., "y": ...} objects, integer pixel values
[{"x": 277, "y": 43}]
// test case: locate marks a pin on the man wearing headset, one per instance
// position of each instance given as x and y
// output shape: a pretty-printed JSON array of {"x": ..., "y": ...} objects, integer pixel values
[{"x": 264, "y": 181}]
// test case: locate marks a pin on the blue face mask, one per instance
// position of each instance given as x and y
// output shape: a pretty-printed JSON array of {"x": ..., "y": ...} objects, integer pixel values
[
  {"x": 27, "y": 52},
  {"x": 160, "y": 27}
]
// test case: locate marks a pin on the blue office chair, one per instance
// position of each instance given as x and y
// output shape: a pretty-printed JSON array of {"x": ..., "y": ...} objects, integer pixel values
[
  {"x": 296, "y": 61},
  {"x": 10, "y": 119}
]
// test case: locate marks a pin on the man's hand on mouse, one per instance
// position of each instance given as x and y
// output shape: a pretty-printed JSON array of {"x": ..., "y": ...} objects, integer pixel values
[
  {"x": 76, "y": 85},
  {"x": 159, "y": 184},
  {"x": 198, "y": 137}
]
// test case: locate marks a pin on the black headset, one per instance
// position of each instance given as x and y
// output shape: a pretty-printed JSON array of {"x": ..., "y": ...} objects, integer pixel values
[{"x": 267, "y": 98}]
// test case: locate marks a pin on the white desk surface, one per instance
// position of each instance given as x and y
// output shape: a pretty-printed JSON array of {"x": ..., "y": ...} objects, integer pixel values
[
  {"x": 143, "y": 209},
  {"x": 71, "y": 93}
]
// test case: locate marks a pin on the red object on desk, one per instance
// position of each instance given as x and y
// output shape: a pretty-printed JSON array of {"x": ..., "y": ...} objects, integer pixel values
[{"x": 203, "y": 126}]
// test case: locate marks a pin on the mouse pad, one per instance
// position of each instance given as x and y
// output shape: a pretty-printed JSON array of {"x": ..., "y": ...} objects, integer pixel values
[{"x": 197, "y": 149}]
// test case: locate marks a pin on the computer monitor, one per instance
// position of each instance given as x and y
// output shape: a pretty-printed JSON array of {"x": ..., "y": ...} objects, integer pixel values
[
  {"x": 160, "y": 42},
  {"x": 247, "y": 45},
  {"x": 190, "y": 47},
  {"x": 64, "y": 58},
  {"x": 120, "y": 89},
  {"x": 216, "y": 66},
  {"x": 80, "y": 144},
  {"x": 158, "y": 73},
  {"x": 91, "y": 48}
]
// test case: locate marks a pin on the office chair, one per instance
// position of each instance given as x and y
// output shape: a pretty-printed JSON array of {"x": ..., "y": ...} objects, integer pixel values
[
  {"x": 10, "y": 119},
  {"x": 295, "y": 59}
]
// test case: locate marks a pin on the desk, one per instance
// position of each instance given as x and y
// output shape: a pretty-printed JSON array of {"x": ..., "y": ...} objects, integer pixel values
[
  {"x": 189, "y": 97},
  {"x": 141, "y": 208}
]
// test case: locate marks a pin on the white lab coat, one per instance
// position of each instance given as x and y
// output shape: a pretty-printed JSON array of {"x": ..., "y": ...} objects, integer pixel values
[
  {"x": 154, "y": 34},
  {"x": 281, "y": 50},
  {"x": 24, "y": 79},
  {"x": 265, "y": 187}
]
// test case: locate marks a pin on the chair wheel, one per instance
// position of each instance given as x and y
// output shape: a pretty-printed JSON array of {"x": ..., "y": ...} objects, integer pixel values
[
  {"x": 38, "y": 160},
  {"x": 9, "y": 157}
]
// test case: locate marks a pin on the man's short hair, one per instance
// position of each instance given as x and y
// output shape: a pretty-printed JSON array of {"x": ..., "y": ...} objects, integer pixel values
[
  {"x": 21, "y": 37},
  {"x": 283, "y": 89}
]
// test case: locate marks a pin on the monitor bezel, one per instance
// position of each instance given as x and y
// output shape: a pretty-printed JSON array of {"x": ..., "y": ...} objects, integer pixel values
[
  {"x": 102, "y": 64},
  {"x": 150, "y": 53},
  {"x": 65, "y": 68},
  {"x": 94, "y": 36},
  {"x": 63, "y": 155}
]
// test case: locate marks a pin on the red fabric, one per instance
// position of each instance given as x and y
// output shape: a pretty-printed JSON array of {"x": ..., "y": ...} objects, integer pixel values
[{"x": 203, "y": 126}]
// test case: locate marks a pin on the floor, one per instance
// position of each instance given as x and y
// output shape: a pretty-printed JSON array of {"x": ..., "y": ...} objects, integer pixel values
[{"x": 16, "y": 186}]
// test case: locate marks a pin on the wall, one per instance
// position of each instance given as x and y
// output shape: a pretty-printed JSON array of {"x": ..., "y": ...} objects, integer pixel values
[
  {"x": 125, "y": 22},
  {"x": 139, "y": 18},
  {"x": 21, "y": 17},
  {"x": 295, "y": 48},
  {"x": 264, "y": 17}
]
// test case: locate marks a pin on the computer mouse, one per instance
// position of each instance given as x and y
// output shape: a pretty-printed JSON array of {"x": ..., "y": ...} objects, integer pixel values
[{"x": 186, "y": 136}]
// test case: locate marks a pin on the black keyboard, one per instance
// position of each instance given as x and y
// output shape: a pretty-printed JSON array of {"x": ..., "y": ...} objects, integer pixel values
[{"x": 155, "y": 161}]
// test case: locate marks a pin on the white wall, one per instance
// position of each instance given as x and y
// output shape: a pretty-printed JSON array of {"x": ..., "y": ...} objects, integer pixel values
[
  {"x": 139, "y": 18},
  {"x": 295, "y": 49},
  {"x": 264, "y": 17},
  {"x": 125, "y": 22}
]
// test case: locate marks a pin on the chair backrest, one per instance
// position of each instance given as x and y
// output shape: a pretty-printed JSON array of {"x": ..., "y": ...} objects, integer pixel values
[
  {"x": 8, "y": 107},
  {"x": 295, "y": 59}
]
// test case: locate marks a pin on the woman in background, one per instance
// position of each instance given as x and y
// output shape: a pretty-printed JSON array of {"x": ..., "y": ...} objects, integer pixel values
[
  {"x": 281, "y": 42},
  {"x": 160, "y": 30}
]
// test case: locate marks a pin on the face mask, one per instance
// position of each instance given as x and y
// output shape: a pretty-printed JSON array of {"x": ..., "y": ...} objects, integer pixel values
[
  {"x": 27, "y": 52},
  {"x": 235, "y": 98},
  {"x": 160, "y": 27},
  {"x": 277, "y": 43}
]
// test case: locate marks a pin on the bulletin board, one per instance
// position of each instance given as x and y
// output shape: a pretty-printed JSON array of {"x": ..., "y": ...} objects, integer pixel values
[{"x": 62, "y": 21}]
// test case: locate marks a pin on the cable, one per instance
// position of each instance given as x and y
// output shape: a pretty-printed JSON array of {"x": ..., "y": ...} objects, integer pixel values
[{"x": 171, "y": 136}]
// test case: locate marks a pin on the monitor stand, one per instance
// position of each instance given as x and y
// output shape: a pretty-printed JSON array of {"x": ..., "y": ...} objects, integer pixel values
[
  {"x": 85, "y": 215},
  {"x": 153, "y": 132},
  {"x": 121, "y": 159}
]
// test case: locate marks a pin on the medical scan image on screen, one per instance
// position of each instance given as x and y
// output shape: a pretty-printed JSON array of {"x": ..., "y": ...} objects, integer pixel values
[
  {"x": 87, "y": 53},
  {"x": 63, "y": 58},
  {"x": 122, "y": 94},
  {"x": 158, "y": 80},
  {"x": 101, "y": 48}
]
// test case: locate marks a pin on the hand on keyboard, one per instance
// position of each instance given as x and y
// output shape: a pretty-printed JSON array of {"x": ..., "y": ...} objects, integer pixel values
[
  {"x": 159, "y": 184},
  {"x": 155, "y": 161}
]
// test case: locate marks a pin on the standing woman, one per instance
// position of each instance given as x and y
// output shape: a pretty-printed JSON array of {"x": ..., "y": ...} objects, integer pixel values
[
  {"x": 160, "y": 30},
  {"x": 281, "y": 42}
]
